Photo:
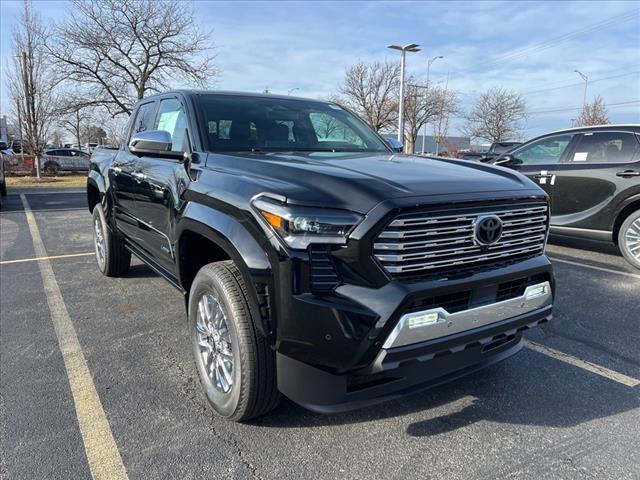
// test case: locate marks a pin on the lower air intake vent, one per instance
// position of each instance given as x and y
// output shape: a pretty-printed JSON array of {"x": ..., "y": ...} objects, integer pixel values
[{"x": 323, "y": 275}]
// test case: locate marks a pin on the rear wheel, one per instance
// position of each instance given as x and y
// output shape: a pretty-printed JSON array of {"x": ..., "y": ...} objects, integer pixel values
[
  {"x": 112, "y": 257},
  {"x": 629, "y": 239},
  {"x": 52, "y": 168},
  {"x": 235, "y": 364}
]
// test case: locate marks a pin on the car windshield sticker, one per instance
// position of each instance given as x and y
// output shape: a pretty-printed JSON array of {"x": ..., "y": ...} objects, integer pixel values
[
  {"x": 580, "y": 156},
  {"x": 168, "y": 121}
]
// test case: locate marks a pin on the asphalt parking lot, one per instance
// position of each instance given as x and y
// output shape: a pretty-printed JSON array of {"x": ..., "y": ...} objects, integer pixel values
[{"x": 566, "y": 407}]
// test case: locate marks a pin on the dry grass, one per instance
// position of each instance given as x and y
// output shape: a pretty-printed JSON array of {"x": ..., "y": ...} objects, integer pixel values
[{"x": 62, "y": 181}]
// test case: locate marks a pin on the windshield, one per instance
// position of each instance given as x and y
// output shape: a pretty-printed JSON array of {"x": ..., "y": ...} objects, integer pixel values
[{"x": 235, "y": 123}]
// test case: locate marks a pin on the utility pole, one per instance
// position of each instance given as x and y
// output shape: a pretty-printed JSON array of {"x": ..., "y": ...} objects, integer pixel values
[
  {"x": 586, "y": 83},
  {"x": 412, "y": 47},
  {"x": 431, "y": 60}
]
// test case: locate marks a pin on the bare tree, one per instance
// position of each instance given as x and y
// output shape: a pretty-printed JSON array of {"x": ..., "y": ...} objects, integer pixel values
[
  {"x": 370, "y": 90},
  {"x": 497, "y": 115},
  {"x": 74, "y": 119},
  {"x": 424, "y": 104},
  {"x": 120, "y": 50},
  {"x": 30, "y": 83},
  {"x": 594, "y": 113}
]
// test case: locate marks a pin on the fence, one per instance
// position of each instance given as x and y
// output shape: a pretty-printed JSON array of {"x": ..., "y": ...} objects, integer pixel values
[{"x": 18, "y": 165}]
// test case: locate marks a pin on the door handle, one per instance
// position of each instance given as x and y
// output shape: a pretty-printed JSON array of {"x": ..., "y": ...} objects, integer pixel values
[
  {"x": 116, "y": 170},
  {"x": 139, "y": 176},
  {"x": 628, "y": 173}
]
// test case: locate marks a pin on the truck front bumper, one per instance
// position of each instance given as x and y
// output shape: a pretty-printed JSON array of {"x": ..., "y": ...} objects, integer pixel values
[
  {"x": 402, "y": 370},
  {"x": 414, "y": 336}
]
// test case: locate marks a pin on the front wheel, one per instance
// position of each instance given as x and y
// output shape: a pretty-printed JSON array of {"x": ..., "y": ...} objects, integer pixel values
[
  {"x": 111, "y": 255},
  {"x": 235, "y": 364},
  {"x": 52, "y": 168},
  {"x": 629, "y": 239}
]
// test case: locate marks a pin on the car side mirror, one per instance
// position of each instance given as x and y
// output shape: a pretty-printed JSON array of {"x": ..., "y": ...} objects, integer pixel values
[
  {"x": 505, "y": 160},
  {"x": 153, "y": 143},
  {"x": 395, "y": 145}
]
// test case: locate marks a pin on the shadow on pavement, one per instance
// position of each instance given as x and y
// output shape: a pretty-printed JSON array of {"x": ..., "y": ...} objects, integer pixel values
[
  {"x": 584, "y": 244},
  {"x": 566, "y": 398}
]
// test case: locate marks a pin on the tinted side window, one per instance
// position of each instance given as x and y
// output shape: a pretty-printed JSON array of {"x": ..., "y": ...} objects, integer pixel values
[
  {"x": 144, "y": 117},
  {"x": 606, "y": 147},
  {"x": 173, "y": 119},
  {"x": 546, "y": 151}
]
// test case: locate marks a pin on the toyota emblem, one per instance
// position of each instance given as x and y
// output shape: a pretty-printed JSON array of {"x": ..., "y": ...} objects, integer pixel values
[{"x": 487, "y": 230}]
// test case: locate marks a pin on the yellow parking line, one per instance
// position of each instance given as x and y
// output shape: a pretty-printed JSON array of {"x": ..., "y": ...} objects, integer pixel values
[
  {"x": 52, "y": 257},
  {"x": 588, "y": 366},
  {"x": 101, "y": 449}
]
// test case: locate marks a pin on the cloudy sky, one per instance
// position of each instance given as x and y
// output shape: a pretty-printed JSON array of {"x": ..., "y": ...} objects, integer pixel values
[{"x": 531, "y": 47}]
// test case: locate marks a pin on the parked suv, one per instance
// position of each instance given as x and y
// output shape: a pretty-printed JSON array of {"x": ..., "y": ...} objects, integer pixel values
[
  {"x": 315, "y": 261},
  {"x": 592, "y": 176}
]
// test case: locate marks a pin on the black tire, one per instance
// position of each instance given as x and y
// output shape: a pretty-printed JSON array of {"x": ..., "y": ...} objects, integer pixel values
[
  {"x": 116, "y": 259},
  {"x": 3, "y": 189},
  {"x": 627, "y": 236},
  {"x": 253, "y": 391},
  {"x": 51, "y": 168}
]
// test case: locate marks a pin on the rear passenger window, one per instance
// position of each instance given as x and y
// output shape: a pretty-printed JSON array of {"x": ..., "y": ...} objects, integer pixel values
[{"x": 606, "y": 147}]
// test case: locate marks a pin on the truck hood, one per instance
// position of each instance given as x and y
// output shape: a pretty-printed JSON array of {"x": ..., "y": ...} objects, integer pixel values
[{"x": 359, "y": 181}]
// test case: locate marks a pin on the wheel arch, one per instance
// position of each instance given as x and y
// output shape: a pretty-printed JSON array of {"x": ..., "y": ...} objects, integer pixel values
[
  {"x": 206, "y": 235},
  {"x": 631, "y": 206}
]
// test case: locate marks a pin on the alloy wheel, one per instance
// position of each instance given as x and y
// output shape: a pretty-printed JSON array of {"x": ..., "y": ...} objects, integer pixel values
[
  {"x": 632, "y": 239},
  {"x": 99, "y": 243},
  {"x": 215, "y": 343}
]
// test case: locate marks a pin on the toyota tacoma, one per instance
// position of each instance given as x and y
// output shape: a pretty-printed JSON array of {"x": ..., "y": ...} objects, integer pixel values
[{"x": 316, "y": 262}]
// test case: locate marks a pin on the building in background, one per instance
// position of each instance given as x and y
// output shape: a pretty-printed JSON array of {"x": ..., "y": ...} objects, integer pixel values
[{"x": 448, "y": 145}]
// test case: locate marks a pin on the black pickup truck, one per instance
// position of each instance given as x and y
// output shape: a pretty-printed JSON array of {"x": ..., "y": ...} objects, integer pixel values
[{"x": 315, "y": 261}]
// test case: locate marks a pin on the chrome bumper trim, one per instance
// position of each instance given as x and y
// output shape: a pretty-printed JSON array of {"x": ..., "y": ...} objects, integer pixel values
[{"x": 413, "y": 327}]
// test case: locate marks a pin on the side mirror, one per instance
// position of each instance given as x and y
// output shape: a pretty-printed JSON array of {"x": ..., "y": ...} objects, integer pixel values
[
  {"x": 153, "y": 143},
  {"x": 505, "y": 160},
  {"x": 395, "y": 145}
]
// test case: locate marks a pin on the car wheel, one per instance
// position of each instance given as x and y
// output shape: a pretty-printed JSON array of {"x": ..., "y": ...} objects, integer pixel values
[
  {"x": 111, "y": 255},
  {"x": 52, "y": 168},
  {"x": 629, "y": 239},
  {"x": 235, "y": 364}
]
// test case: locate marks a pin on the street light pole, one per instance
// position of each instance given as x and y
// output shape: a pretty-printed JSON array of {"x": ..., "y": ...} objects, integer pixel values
[
  {"x": 586, "y": 82},
  {"x": 431, "y": 60},
  {"x": 412, "y": 47}
]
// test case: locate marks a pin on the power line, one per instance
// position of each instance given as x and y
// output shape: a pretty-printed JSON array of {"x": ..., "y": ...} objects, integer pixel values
[
  {"x": 532, "y": 92},
  {"x": 573, "y": 109},
  {"x": 536, "y": 47},
  {"x": 518, "y": 53}
]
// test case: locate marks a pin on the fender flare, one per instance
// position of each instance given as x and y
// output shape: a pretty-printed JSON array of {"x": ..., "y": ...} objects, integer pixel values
[
  {"x": 617, "y": 217},
  {"x": 245, "y": 251}
]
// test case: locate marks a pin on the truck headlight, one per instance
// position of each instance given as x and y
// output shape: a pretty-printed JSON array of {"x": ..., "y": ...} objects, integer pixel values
[{"x": 301, "y": 226}]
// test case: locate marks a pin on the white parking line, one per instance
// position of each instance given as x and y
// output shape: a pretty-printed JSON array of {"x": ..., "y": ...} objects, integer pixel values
[
  {"x": 594, "y": 267},
  {"x": 102, "y": 452},
  {"x": 583, "y": 364},
  {"x": 52, "y": 257}
]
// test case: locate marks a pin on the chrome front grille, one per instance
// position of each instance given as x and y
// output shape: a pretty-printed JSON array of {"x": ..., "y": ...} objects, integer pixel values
[{"x": 421, "y": 243}]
